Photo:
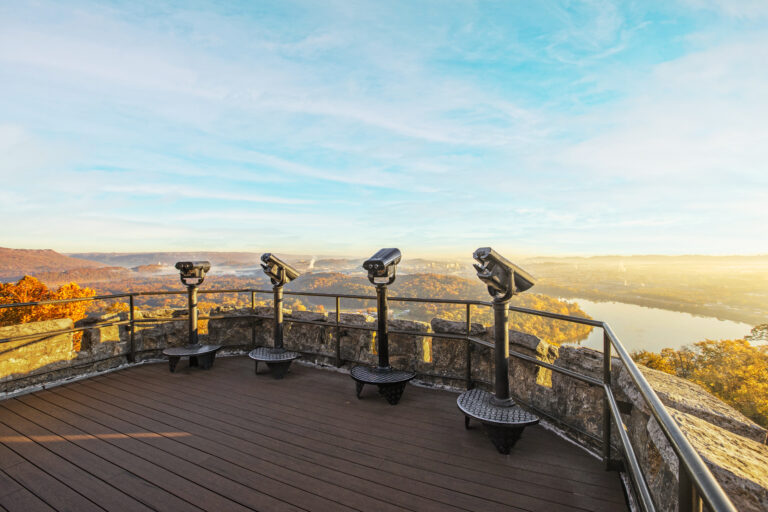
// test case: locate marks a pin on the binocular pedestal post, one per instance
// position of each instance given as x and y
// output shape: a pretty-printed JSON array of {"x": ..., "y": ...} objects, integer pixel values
[
  {"x": 192, "y": 304},
  {"x": 278, "y": 291},
  {"x": 201, "y": 356},
  {"x": 382, "y": 332},
  {"x": 391, "y": 383},
  {"x": 501, "y": 353},
  {"x": 278, "y": 359},
  {"x": 501, "y": 418}
]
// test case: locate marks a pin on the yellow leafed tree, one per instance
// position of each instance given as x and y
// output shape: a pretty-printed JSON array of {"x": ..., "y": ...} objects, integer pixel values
[
  {"x": 29, "y": 289},
  {"x": 733, "y": 370}
]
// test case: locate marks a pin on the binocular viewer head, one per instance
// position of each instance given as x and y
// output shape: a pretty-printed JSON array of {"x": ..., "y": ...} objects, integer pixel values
[
  {"x": 279, "y": 272},
  {"x": 382, "y": 265},
  {"x": 502, "y": 277},
  {"x": 193, "y": 272}
]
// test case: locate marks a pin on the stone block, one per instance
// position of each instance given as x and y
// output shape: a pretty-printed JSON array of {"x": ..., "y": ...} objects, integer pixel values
[{"x": 41, "y": 353}]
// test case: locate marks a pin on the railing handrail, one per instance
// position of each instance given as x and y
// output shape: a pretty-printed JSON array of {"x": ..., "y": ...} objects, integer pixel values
[
  {"x": 700, "y": 475},
  {"x": 693, "y": 472},
  {"x": 287, "y": 292}
]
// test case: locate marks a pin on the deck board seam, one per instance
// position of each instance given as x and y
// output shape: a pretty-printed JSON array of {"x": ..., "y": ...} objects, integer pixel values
[
  {"x": 232, "y": 462},
  {"x": 100, "y": 456},
  {"x": 269, "y": 477},
  {"x": 302, "y": 443},
  {"x": 439, "y": 454},
  {"x": 213, "y": 491},
  {"x": 444, "y": 429},
  {"x": 22, "y": 488},
  {"x": 51, "y": 475},
  {"x": 533, "y": 497},
  {"x": 343, "y": 460},
  {"x": 69, "y": 460}
]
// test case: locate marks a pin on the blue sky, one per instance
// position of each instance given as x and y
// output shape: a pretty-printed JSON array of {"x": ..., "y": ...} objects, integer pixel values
[{"x": 590, "y": 127}]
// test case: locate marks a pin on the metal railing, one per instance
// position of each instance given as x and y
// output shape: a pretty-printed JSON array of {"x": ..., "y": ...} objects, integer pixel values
[{"x": 697, "y": 486}]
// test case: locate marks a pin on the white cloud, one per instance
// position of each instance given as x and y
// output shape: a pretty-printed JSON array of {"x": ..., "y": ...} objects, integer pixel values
[
  {"x": 750, "y": 9},
  {"x": 176, "y": 190},
  {"x": 694, "y": 120}
]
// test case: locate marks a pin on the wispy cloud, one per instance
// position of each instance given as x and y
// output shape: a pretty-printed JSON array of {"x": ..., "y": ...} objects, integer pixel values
[{"x": 587, "y": 127}]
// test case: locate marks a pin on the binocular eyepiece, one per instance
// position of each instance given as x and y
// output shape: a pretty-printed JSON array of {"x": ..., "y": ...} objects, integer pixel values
[
  {"x": 383, "y": 265},
  {"x": 502, "y": 277},
  {"x": 193, "y": 272},
  {"x": 279, "y": 272}
]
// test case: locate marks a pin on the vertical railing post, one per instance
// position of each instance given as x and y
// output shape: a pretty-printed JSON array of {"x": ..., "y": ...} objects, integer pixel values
[
  {"x": 468, "y": 375},
  {"x": 132, "y": 325},
  {"x": 606, "y": 402},
  {"x": 253, "y": 319},
  {"x": 687, "y": 497},
  {"x": 338, "y": 332}
]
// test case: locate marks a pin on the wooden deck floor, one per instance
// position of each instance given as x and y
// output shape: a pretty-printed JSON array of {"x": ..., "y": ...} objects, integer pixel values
[{"x": 227, "y": 440}]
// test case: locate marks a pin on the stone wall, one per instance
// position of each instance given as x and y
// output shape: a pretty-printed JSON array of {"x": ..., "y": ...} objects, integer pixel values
[
  {"x": 732, "y": 446},
  {"x": 729, "y": 443},
  {"x": 34, "y": 360}
]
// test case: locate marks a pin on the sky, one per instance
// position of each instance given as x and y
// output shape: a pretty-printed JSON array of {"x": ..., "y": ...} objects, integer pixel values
[{"x": 339, "y": 127}]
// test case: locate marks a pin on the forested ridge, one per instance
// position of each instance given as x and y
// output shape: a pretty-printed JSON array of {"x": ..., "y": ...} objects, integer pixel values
[{"x": 736, "y": 371}]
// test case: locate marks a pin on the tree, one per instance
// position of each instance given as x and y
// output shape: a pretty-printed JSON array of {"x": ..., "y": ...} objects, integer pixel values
[
  {"x": 733, "y": 370},
  {"x": 654, "y": 361},
  {"x": 29, "y": 289}
]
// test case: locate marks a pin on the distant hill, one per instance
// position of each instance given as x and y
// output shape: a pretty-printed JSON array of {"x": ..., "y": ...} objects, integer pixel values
[
  {"x": 88, "y": 275},
  {"x": 15, "y": 263},
  {"x": 137, "y": 259}
]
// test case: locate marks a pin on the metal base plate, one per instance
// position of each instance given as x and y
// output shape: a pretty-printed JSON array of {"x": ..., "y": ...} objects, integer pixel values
[
  {"x": 503, "y": 424},
  {"x": 272, "y": 355},
  {"x": 391, "y": 383},
  {"x": 278, "y": 360},
  {"x": 201, "y": 356},
  {"x": 368, "y": 375}
]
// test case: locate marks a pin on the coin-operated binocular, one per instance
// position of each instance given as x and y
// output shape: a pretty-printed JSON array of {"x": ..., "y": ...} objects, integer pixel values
[
  {"x": 193, "y": 272},
  {"x": 277, "y": 358},
  {"x": 502, "y": 277},
  {"x": 382, "y": 270},
  {"x": 383, "y": 265},
  {"x": 278, "y": 271},
  {"x": 503, "y": 420},
  {"x": 192, "y": 275}
]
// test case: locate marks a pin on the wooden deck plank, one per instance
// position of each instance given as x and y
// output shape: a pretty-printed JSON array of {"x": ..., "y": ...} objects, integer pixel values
[
  {"x": 433, "y": 471},
  {"x": 569, "y": 499},
  {"x": 15, "y": 497},
  {"x": 42, "y": 483},
  {"x": 245, "y": 452},
  {"x": 208, "y": 489},
  {"x": 378, "y": 426},
  {"x": 370, "y": 415},
  {"x": 226, "y": 439},
  {"x": 451, "y": 439},
  {"x": 368, "y": 471},
  {"x": 89, "y": 472},
  {"x": 121, "y": 469},
  {"x": 192, "y": 449}
]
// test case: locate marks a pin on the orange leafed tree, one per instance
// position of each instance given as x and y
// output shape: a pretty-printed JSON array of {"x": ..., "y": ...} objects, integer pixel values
[
  {"x": 733, "y": 370},
  {"x": 29, "y": 289}
]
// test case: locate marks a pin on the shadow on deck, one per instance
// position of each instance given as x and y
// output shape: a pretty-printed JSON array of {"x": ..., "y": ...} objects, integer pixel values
[{"x": 226, "y": 440}]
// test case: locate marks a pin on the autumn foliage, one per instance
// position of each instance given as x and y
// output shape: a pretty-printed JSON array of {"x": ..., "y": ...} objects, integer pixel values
[
  {"x": 733, "y": 370},
  {"x": 29, "y": 289}
]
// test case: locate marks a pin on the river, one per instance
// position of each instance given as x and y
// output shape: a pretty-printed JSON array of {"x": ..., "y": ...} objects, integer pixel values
[{"x": 643, "y": 328}]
